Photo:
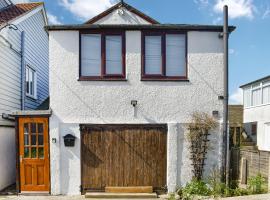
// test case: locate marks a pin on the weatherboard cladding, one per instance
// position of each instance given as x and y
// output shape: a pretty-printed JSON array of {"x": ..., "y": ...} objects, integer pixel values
[
  {"x": 10, "y": 63},
  {"x": 3, "y": 4},
  {"x": 36, "y": 55}
]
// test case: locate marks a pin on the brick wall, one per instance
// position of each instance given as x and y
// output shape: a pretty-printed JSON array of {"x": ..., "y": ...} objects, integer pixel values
[{"x": 235, "y": 115}]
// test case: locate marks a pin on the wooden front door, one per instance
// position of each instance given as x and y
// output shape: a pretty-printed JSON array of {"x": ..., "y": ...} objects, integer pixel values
[
  {"x": 123, "y": 155},
  {"x": 34, "y": 154}
]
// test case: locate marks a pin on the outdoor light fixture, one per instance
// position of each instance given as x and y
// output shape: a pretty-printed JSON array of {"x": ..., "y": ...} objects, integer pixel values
[
  {"x": 215, "y": 113},
  {"x": 120, "y": 11},
  {"x": 54, "y": 140},
  {"x": 134, "y": 103},
  {"x": 220, "y": 97}
]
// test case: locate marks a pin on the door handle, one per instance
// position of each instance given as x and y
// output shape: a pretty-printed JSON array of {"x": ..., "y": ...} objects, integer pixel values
[{"x": 21, "y": 158}]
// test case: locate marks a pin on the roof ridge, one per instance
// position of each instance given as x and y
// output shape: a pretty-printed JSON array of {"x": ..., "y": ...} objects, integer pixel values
[{"x": 118, "y": 5}]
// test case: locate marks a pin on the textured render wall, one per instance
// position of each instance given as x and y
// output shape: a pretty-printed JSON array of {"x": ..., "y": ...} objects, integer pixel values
[
  {"x": 127, "y": 18},
  {"x": 74, "y": 102},
  {"x": 7, "y": 157},
  {"x": 261, "y": 115}
]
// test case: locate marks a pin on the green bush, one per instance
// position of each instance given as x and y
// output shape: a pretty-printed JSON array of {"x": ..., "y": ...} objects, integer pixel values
[
  {"x": 214, "y": 187},
  {"x": 257, "y": 184},
  {"x": 194, "y": 188}
]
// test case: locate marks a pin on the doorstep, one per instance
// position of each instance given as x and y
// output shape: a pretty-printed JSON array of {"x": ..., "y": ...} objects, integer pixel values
[{"x": 107, "y": 195}]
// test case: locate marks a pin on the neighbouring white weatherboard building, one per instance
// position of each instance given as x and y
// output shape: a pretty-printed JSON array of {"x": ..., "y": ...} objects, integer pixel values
[
  {"x": 24, "y": 68},
  {"x": 256, "y": 96},
  {"x": 125, "y": 87}
]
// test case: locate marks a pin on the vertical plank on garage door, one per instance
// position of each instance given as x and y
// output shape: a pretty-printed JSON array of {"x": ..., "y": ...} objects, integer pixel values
[{"x": 123, "y": 156}]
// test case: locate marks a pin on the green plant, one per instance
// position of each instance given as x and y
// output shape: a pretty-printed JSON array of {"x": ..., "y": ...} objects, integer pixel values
[
  {"x": 198, "y": 131},
  {"x": 257, "y": 184},
  {"x": 171, "y": 196},
  {"x": 195, "y": 187}
]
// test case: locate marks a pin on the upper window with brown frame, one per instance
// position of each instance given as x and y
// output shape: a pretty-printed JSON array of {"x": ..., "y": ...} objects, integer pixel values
[
  {"x": 164, "y": 56},
  {"x": 102, "y": 56}
]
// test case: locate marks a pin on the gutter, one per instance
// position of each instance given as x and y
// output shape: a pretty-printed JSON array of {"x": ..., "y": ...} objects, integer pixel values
[{"x": 183, "y": 27}]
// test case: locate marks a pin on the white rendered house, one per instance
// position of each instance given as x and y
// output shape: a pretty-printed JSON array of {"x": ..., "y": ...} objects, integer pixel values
[
  {"x": 123, "y": 88},
  {"x": 257, "y": 111}
]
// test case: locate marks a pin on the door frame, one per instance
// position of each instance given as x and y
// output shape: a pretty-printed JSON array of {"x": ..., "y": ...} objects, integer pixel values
[
  {"x": 17, "y": 141},
  {"x": 100, "y": 126}
]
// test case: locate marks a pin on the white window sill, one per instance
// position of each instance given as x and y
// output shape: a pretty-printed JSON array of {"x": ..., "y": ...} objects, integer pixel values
[
  {"x": 31, "y": 96},
  {"x": 267, "y": 104}
]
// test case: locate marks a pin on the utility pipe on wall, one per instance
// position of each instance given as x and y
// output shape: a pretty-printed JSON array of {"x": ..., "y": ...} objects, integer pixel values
[
  {"x": 226, "y": 95},
  {"x": 22, "y": 71}
]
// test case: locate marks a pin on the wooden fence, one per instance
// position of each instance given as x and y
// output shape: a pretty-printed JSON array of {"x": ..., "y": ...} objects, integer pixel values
[{"x": 245, "y": 163}]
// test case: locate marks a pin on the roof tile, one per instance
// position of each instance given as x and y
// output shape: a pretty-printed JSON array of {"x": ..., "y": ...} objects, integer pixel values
[{"x": 14, "y": 11}]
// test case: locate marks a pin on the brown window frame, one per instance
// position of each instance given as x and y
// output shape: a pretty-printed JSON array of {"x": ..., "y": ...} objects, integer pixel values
[
  {"x": 163, "y": 76},
  {"x": 104, "y": 76}
]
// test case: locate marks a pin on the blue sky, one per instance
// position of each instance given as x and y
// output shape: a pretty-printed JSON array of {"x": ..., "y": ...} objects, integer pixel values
[{"x": 249, "y": 44}]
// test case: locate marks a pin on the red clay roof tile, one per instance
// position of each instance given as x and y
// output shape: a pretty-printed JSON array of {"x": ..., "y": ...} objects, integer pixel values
[{"x": 16, "y": 10}]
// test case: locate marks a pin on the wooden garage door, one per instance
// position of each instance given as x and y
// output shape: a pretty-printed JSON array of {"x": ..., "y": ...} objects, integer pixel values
[{"x": 123, "y": 155}]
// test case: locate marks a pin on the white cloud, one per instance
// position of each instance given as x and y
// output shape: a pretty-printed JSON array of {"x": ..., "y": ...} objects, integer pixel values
[
  {"x": 236, "y": 97},
  {"x": 231, "y": 51},
  {"x": 202, "y": 3},
  {"x": 266, "y": 14},
  {"x": 237, "y": 8},
  {"x": 53, "y": 19},
  {"x": 218, "y": 20},
  {"x": 85, "y": 9}
]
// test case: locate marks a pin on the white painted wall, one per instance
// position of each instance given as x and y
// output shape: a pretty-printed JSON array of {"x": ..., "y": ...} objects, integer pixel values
[
  {"x": 7, "y": 157},
  {"x": 261, "y": 115},
  {"x": 74, "y": 102},
  {"x": 127, "y": 18}
]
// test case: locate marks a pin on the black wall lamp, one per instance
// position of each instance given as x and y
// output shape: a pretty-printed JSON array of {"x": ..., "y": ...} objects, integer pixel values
[{"x": 134, "y": 103}]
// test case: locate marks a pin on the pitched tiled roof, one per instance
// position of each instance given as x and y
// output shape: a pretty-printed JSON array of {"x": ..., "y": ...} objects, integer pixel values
[{"x": 14, "y": 11}]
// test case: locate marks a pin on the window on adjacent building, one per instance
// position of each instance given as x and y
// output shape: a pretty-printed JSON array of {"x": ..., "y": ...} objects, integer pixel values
[
  {"x": 164, "y": 56},
  {"x": 266, "y": 92},
  {"x": 247, "y": 97},
  {"x": 30, "y": 78},
  {"x": 257, "y": 94},
  {"x": 256, "y": 97},
  {"x": 102, "y": 56},
  {"x": 254, "y": 129}
]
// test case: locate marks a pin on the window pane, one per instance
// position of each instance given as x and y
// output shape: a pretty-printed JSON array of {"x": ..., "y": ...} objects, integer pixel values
[
  {"x": 91, "y": 55},
  {"x": 26, "y": 152},
  {"x": 27, "y": 79},
  {"x": 153, "y": 58},
  {"x": 40, "y": 139},
  {"x": 266, "y": 95},
  {"x": 33, "y": 128},
  {"x": 33, "y": 139},
  {"x": 175, "y": 55},
  {"x": 41, "y": 152},
  {"x": 33, "y": 152},
  {"x": 247, "y": 93},
  {"x": 40, "y": 128},
  {"x": 113, "y": 55},
  {"x": 256, "y": 97},
  {"x": 26, "y": 134},
  {"x": 32, "y": 82}
]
